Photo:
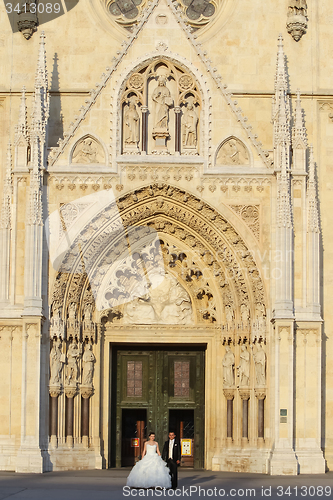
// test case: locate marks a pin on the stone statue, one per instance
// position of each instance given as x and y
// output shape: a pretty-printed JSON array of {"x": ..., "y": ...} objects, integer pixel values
[
  {"x": 189, "y": 124},
  {"x": 259, "y": 358},
  {"x": 163, "y": 101},
  {"x": 72, "y": 319},
  {"x": 244, "y": 367},
  {"x": 88, "y": 316},
  {"x": 86, "y": 152},
  {"x": 56, "y": 363},
  {"x": 132, "y": 124},
  {"x": 229, "y": 314},
  {"x": 73, "y": 355},
  {"x": 228, "y": 363},
  {"x": 245, "y": 314},
  {"x": 88, "y": 360}
]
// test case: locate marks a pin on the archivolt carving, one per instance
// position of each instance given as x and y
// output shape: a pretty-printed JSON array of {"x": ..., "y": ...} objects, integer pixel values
[
  {"x": 250, "y": 215},
  {"x": 199, "y": 226}
]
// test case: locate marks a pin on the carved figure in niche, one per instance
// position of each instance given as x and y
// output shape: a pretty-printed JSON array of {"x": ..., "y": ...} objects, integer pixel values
[
  {"x": 56, "y": 363},
  {"x": 167, "y": 303},
  {"x": 259, "y": 358},
  {"x": 88, "y": 360},
  {"x": 297, "y": 7},
  {"x": 189, "y": 124},
  {"x": 87, "y": 151},
  {"x": 228, "y": 363},
  {"x": 73, "y": 355},
  {"x": 232, "y": 152},
  {"x": 244, "y": 367},
  {"x": 245, "y": 314},
  {"x": 88, "y": 312},
  {"x": 163, "y": 101},
  {"x": 56, "y": 323},
  {"x": 229, "y": 314},
  {"x": 132, "y": 124},
  {"x": 72, "y": 318}
]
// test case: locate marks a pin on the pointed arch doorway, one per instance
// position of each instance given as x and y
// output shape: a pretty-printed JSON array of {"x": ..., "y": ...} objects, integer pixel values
[{"x": 157, "y": 388}]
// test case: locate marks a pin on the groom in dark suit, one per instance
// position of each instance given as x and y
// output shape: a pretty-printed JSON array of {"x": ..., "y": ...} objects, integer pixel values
[{"x": 171, "y": 455}]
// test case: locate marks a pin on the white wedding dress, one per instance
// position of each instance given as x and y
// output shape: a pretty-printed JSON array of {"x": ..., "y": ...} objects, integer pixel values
[{"x": 150, "y": 472}]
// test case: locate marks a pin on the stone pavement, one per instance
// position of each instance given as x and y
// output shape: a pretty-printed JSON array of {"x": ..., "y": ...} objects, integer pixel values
[{"x": 109, "y": 484}]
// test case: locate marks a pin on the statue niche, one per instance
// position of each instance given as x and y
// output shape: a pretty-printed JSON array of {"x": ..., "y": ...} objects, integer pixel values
[{"x": 160, "y": 109}]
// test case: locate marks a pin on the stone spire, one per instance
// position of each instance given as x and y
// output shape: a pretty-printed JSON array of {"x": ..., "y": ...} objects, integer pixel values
[
  {"x": 282, "y": 139},
  {"x": 299, "y": 130},
  {"x": 311, "y": 196},
  {"x": 40, "y": 112},
  {"x": 21, "y": 128},
  {"x": 7, "y": 192}
]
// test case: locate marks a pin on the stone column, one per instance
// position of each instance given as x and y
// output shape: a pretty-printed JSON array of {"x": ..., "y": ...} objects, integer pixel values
[
  {"x": 144, "y": 110},
  {"x": 86, "y": 392},
  {"x": 69, "y": 423},
  {"x": 229, "y": 394},
  {"x": 54, "y": 393},
  {"x": 261, "y": 395},
  {"x": 178, "y": 130},
  {"x": 245, "y": 396}
]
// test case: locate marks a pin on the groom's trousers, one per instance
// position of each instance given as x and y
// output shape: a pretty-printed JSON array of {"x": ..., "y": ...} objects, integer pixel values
[{"x": 173, "y": 472}]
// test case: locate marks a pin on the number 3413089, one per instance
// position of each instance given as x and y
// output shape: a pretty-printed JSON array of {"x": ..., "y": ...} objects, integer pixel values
[{"x": 34, "y": 8}]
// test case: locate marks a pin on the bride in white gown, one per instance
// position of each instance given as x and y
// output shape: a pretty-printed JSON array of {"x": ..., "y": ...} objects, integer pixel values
[{"x": 151, "y": 470}]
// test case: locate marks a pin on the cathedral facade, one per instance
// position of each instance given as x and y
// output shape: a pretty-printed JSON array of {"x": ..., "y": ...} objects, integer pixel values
[{"x": 165, "y": 236}]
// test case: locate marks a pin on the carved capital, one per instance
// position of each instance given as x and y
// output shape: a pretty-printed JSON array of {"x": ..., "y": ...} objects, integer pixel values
[
  {"x": 229, "y": 394},
  {"x": 70, "y": 391},
  {"x": 86, "y": 391},
  {"x": 55, "y": 390},
  {"x": 244, "y": 393},
  {"x": 260, "y": 393}
]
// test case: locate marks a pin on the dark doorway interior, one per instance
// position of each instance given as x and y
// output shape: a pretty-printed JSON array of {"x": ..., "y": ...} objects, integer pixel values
[
  {"x": 182, "y": 422},
  {"x": 134, "y": 429}
]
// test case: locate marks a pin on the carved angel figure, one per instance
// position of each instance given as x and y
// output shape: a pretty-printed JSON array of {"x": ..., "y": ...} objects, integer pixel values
[
  {"x": 56, "y": 363},
  {"x": 86, "y": 152},
  {"x": 190, "y": 123},
  {"x": 132, "y": 124},
  {"x": 73, "y": 355},
  {"x": 163, "y": 101},
  {"x": 88, "y": 360},
  {"x": 228, "y": 363},
  {"x": 244, "y": 367},
  {"x": 259, "y": 358}
]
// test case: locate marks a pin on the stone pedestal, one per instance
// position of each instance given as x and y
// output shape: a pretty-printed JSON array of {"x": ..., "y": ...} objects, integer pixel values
[{"x": 161, "y": 137}]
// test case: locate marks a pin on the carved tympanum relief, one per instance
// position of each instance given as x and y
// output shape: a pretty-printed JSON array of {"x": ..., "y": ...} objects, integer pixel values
[
  {"x": 168, "y": 303},
  {"x": 297, "y": 19},
  {"x": 88, "y": 151},
  {"x": 232, "y": 152},
  {"x": 160, "y": 108}
]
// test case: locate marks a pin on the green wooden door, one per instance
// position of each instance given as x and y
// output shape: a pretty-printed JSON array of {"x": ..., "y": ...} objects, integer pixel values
[{"x": 159, "y": 382}]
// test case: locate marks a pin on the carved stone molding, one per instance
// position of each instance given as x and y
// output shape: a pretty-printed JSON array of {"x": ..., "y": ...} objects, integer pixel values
[{"x": 251, "y": 216}]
